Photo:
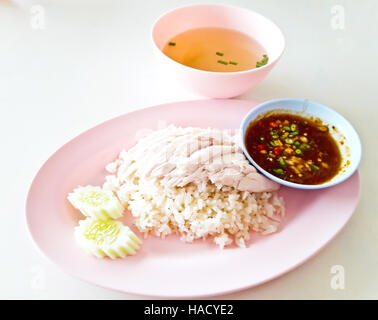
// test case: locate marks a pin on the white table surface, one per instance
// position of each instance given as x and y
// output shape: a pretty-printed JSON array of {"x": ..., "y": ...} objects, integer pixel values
[{"x": 93, "y": 60}]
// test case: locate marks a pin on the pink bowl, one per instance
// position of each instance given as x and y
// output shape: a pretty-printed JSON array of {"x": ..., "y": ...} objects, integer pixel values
[{"x": 217, "y": 84}]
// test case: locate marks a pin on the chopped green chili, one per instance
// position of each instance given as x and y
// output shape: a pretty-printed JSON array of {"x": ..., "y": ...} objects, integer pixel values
[
  {"x": 305, "y": 146},
  {"x": 282, "y": 161},
  {"x": 289, "y": 141}
]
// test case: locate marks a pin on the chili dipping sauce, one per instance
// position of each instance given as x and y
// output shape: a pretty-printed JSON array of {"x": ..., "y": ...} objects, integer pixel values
[{"x": 294, "y": 148}]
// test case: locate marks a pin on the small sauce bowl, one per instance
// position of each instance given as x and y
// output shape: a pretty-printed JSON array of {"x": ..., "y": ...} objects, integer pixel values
[
  {"x": 350, "y": 148},
  {"x": 217, "y": 84}
]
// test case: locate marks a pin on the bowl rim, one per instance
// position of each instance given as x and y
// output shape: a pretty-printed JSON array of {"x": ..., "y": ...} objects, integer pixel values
[
  {"x": 351, "y": 168},
  {"x": 270, "y": 63}
]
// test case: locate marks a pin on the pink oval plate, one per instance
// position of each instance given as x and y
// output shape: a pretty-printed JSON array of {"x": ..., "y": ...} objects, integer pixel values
[{"x": 171, "y": 268}]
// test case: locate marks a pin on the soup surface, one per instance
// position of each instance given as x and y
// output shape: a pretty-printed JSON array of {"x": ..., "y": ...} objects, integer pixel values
[
  {"x": 294, "y": 148},
  {"x": 216, "y": 49}
]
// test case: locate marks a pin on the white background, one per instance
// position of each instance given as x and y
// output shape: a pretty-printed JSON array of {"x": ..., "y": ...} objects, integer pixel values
[{"x": 93, "y": 61}]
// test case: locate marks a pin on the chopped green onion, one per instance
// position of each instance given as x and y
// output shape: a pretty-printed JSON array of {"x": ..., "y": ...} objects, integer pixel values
[
  {"x": 286, "y": 128},
  {"x": 263, "y": 61},
  {"x": 292, "y": 134},
  {"x": 233, "y": 62},
  {"x": 272, "y": 144},
  {"x": 219, "y": 54},
  {"x": 297, "y": 143},
  {"x": 278, "y": 171},
  {"x": 262, "y": 138},
  {"x": 298, "y": 151},
  {"x": 275, "y": 136},
  {"x": 172, "y": 43},
  {"x": 314, "y": 167},
  {"x": 293, "y": 127},
  {"x": 223, "y": 62}
]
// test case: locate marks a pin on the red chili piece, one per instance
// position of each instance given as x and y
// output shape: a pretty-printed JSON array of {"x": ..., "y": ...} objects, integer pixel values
[
  {"x": 261, "y": 147},
  {"x": 277, "y": 151}
]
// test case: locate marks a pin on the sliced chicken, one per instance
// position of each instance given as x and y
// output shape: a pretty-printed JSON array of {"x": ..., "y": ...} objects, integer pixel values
[{"x": 180, "y": 156}]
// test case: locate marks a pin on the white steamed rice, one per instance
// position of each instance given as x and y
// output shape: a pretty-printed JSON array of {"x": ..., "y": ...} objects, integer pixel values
[{"x": 225, "y": 214}]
